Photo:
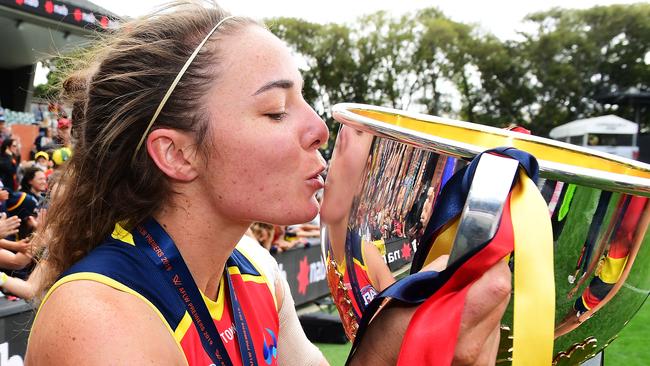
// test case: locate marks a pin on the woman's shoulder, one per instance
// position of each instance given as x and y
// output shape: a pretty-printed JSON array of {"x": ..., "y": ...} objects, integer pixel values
[
  {"x": 259, "y": 257},
  {"x": 120, "y": 265},
  {"x": 86, "y": 322}
]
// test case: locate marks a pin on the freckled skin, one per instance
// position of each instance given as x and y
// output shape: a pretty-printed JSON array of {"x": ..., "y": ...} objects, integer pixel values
[{"x": 262, "y": 163}]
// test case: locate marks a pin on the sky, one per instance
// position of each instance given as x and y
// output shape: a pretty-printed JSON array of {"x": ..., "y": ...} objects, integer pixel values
[{"x": 502, "y": 18}]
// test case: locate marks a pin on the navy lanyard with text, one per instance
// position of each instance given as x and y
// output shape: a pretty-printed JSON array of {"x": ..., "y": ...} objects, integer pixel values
[{"x": 152, "y": 240}]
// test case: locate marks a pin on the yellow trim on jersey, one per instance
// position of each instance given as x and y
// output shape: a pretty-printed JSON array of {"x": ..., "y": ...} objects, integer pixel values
[
  {"x": 182, "y": 327},
  {"x": 17, "y": 204},
  {"x": 584, "y": 303},
  {"x": 363, "y": 257},
  {"x": 363, "y": 266},
  {"x": 96, "y": 277},
  {"x": 216, "y": 307},
  {"x": 121, "y": 234},
  {"x": 270, "y": 285},
  {"x": 380, "y": 245},
  {"x": 342, "y": 268},
  {"x": 611, "y": 269},
  {"x": 248, "y": 277}
]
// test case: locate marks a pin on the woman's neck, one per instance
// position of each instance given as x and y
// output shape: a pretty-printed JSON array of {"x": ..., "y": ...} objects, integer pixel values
[{"x": 205, "y": 240}]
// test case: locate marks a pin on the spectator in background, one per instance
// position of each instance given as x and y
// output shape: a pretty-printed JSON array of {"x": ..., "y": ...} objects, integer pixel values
[
  {"x": 24, "y": 206},
  {"x": 263, "y": 233},
  {"x": 44, "y": 140},
  {"x": 14, "y": 255},
  {"x": 9, "y": 226},
  {"x": 25, "y": 289},
  {"x": 34, "y": 183},
  {"x": 42, "y": 161},
  {"x": 4, "y": 132},
  {"x": 15, "y": 262},
  {"x": 9, "y": 161},
  {"x": 63, "y": 136},
  {"x": 305, "y": 231},
  {"x": 283, "y": 239}
]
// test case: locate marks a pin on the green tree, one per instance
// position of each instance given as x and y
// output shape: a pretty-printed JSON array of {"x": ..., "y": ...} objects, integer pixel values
[{"x": 575, "y": 56}]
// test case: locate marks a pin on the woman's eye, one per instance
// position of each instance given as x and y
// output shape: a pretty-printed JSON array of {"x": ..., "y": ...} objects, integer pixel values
[{"x": 276, "y": 116}]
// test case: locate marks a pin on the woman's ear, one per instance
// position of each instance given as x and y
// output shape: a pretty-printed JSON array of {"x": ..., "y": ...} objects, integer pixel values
[{"x": 174, "y": 152}]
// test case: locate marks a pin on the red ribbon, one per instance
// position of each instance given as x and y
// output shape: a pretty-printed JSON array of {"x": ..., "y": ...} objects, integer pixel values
[{"x": 432, "y": 333}]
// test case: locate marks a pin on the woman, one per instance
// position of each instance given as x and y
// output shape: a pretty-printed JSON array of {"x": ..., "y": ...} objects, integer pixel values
[
  {"x": 44, "y": 140},
  {"x": 9, "y": 161},
  {"x": 191, "y": 184},
  {"x": 34, "y": 183}
]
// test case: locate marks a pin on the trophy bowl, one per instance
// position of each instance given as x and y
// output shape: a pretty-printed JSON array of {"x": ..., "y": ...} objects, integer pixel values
[{"x": 387, "y": 170}]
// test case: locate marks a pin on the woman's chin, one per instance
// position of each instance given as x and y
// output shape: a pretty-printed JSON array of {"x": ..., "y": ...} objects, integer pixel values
[{"x": 303, "y": 215}]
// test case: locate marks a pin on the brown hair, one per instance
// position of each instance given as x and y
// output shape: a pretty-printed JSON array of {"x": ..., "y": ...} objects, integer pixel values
[{"x": 114, "y": 96}]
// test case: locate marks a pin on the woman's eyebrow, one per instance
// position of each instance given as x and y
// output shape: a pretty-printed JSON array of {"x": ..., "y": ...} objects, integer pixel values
[{"x": 282, "y": 84}]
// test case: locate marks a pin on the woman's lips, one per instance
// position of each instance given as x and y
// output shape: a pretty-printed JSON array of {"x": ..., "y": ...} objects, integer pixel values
[{"x": 316, "y": 182}]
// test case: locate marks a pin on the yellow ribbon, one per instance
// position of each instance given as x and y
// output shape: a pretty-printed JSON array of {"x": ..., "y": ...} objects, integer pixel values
[{"x": 534, "y": 283}]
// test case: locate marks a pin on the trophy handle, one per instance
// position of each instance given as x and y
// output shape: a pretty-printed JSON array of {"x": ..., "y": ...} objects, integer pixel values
[{"x": 481, "y": 214}]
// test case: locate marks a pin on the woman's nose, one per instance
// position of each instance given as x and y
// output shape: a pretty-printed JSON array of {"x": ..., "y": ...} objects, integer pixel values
[{"x": 317, "y": 131}]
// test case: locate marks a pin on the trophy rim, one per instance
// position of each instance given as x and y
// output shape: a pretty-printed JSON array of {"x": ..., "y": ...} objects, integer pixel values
[{"x": 600, "y": 179}]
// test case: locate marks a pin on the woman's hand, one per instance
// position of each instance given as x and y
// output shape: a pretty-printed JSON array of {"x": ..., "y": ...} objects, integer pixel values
[
  {"x": 478, "y": 338},
  {"x": 24, "y": 246},
  {"x": 8, "y": 226}
]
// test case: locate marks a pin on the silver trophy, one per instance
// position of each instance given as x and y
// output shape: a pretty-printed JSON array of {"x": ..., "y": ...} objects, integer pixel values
[{"x": 384, "y": 179}]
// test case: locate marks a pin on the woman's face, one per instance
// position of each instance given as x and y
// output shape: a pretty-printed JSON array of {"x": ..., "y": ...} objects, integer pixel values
[
  {"x": 39, "y": 182},
  {"x": 264, "y": 163},
  {"x": 13, "y": 148}
]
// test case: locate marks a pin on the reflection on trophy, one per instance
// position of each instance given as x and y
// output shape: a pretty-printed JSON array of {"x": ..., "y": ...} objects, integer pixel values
[{"x": 388, "y": 209}]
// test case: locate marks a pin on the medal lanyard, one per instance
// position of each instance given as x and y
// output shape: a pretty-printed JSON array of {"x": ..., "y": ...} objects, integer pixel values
[{"x": 153, "y": 241}]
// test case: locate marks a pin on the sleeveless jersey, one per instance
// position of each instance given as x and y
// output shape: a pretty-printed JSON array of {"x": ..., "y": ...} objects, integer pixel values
[{"x": 119, "y": 264}]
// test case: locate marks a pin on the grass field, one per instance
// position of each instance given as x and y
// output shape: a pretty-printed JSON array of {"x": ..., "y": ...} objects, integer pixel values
[
  {"x": 631, "y": 347},
  {"x": 336, "y": 354}
]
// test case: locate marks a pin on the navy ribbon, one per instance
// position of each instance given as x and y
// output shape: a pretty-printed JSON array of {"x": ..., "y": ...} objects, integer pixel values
[
  {"x": 454, "y": 193},
  {"x": 153, "y": 241}
]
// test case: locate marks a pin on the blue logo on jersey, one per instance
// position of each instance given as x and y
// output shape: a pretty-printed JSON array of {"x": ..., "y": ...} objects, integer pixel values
[{"x": 270, "y": 350}]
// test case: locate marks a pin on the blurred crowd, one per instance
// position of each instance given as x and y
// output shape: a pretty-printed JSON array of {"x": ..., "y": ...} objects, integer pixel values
[{"x": 26, "y": 186}]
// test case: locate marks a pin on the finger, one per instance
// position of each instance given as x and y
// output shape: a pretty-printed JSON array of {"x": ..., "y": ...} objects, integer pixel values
[
  {"x": 489, "y": 353},
  {"x": 487, "y": 293},
  {"x": 477, "y": 337},
  {"x": 485, "y": 304},
  {"x": 373, "y": 348},
  {"x": 437, "y": 265}
]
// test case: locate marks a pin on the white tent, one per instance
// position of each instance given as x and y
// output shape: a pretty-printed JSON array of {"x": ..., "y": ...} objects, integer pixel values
[{"x": 609, "y": 124}]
